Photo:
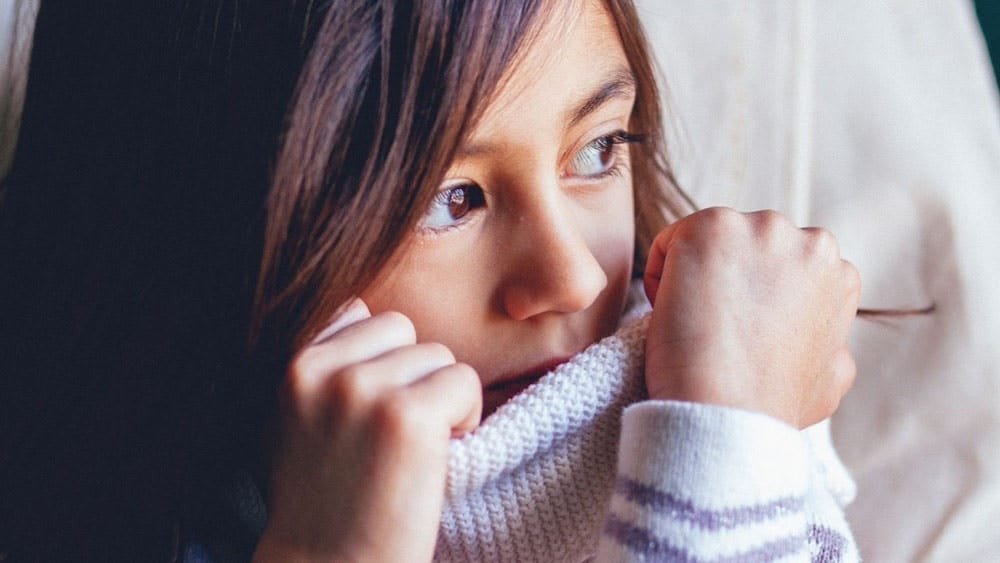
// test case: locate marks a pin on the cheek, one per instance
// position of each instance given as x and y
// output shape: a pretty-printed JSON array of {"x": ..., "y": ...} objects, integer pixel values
[
  {"x": 613, "y": 240},
  {"x": 437, "y": 293},
  {"x": 447, "y": 290},
  {"x": 446, "y": 304}
]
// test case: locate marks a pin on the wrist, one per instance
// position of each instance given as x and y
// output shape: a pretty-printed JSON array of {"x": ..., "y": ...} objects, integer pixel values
[{"x": 712, "y": 384}]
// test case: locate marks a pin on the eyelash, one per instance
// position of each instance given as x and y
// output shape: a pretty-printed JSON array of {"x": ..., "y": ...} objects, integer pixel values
[
  {"x": 620, "y": 137},
  {"x": 471, "y": 191},
  {"x": 605, "y": 142}
]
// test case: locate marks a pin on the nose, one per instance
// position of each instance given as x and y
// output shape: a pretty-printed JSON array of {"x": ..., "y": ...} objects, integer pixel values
[{"x": 553, "y": 269}]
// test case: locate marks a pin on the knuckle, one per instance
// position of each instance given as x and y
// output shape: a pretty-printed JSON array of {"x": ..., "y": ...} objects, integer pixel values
[
  {"x": 462, "y": 377},
  {"x": 852, "y": 278},
  {"x": 769, "y": 221},
  {"x": 823, "y": 243},
  {"x": 718, "y": 225},
  {"x": 842, "y": 378},
  {"x": 824, "y": 239},
  {"x": 400, "y": 325},
  {"x": 439, "y": 352},
  {"x": 299, "y": 369},
  {"x": 302, "y": 374},
  {"x": 724, "y": 216},
  {"x": 466, "y": 373},
  {"x": 770, "y": 218},
  {"x": 717, "y": 213},
  {"x": 849, "y": 378},
  {"x": 848, "y": 370},
  {"x": 350, "y": 389},
  {"x": 397, "y": 417}
]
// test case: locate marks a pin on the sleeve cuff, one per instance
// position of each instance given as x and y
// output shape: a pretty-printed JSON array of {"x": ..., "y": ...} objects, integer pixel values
[{"x": 709, "y": 453}]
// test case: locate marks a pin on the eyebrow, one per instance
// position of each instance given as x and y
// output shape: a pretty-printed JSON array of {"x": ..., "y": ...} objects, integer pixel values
[{"x": 620, "y": 83}]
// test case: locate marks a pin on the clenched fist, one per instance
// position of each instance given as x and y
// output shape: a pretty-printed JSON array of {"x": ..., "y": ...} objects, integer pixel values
[
  {"x": 750, "y": 311},
  {"x": 359, "y": 471}
]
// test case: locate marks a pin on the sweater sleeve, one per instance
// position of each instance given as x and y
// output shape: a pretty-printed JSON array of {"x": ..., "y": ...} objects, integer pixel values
[{"x": 700, "y": 482}]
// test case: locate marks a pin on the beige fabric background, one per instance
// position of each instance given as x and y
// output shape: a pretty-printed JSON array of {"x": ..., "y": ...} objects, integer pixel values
[{"x": 879, "y": 120}]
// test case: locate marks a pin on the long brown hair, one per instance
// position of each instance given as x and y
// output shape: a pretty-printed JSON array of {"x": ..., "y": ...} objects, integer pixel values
[{"x": 387, "y": 93}]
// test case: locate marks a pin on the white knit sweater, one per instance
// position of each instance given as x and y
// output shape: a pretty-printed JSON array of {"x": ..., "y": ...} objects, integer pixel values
[{"x": 546, "y": 478}]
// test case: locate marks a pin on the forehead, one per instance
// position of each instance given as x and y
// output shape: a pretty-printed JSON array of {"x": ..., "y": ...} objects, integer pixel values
[{"x": 573, "y": 50}]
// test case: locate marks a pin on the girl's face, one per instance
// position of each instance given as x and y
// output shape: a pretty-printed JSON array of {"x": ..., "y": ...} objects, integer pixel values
[{"x": 525, "y": 256}]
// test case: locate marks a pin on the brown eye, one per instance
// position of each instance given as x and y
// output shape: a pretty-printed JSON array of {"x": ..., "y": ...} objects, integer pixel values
[
  {"x": 458, "y": 202},
  {"x": 593, "y": 159},
  {"x": 451, "y": 205},
  {"x": 597, "y": 158}
]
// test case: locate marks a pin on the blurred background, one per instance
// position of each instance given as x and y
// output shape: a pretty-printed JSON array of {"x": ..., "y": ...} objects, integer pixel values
[
  {"x": 878, "y": 120},
  {"x": 989, "y": 19}
]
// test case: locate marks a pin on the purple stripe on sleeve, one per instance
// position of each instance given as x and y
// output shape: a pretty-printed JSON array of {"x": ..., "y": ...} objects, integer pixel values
[
  {"x": 666, "y": 504},
  {"x": 643, "y": 543},
  {"x": 829, "y": 544}
]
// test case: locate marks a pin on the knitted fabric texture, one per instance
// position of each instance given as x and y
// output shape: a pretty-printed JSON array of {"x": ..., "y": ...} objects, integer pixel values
[{"x": 534, "y": 482}]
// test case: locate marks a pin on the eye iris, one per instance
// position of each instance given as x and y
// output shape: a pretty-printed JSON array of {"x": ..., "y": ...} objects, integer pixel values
[
  {"x": 458, "y": 202},
  {"x": 595, "y": 157},
  {"x": 604, "y": 146}
]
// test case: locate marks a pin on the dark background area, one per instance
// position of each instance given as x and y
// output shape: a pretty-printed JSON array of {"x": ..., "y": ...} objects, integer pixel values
[{"x": 989, "y": 19}]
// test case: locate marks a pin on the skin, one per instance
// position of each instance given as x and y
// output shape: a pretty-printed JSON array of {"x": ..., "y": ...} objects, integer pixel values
[
  {"x": 749, "y": 311},
  {"x": 541, "y": 269}
]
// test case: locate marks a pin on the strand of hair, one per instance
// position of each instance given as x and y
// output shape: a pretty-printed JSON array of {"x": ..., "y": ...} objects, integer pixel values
[{"x": 884, "y": 313}]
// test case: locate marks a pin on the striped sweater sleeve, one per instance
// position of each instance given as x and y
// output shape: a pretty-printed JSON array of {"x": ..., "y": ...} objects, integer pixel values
[{"x": 706, "y": 483}]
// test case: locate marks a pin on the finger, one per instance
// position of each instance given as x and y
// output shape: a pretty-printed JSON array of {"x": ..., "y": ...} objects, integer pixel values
[
  {"x": 358, "y": 342},
  {"x": 666, "y": 238},
  {"x": 821, "y": 244},
  {"x": 845, "y": 370},
  {"x": 355, "y": 310},
  {"x": 771, "y": 220},
  {"x": 852, "y": 280},
  {"x": 395, "y": 368},
  {"x": 655, "y": 259},
  {"x": 355, "y": 388},
  {"x": 822, "y": 240},
  {"x": 455, "y": 394},
  {"x": 851, "y": 288}
]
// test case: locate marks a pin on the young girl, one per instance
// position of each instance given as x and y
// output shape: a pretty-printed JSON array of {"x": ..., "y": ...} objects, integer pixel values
[
  {"x": 460, "y": 199},
  {"x": 500, "y": 249}
]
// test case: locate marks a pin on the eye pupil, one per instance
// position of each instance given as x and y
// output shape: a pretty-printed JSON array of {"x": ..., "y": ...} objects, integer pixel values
[
  {"x": 595, "y": 157},
  {"x": 458, "y": 203},
  {"x": 605, "y": 146}
]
